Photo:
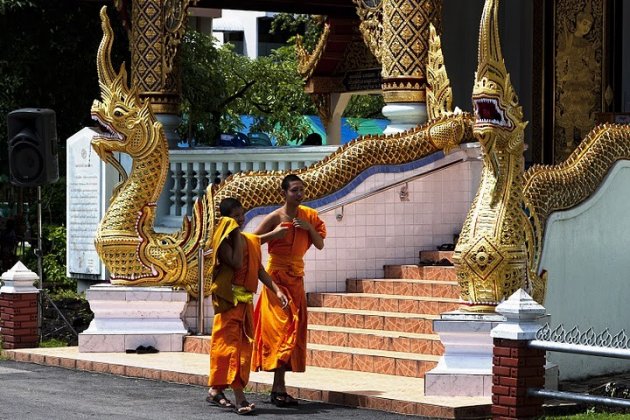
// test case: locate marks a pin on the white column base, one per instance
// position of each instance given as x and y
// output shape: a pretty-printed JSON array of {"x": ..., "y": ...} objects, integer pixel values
[
  {"x": 128, "y": 317},
  {"x": 465, "y": 369},
  {"x": 404, "y": 116}
]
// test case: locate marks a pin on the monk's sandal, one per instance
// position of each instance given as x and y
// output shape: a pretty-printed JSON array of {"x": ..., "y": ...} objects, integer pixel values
[
  {"x": 282, "y": 399},
  {"x": 220, "y": 400}
]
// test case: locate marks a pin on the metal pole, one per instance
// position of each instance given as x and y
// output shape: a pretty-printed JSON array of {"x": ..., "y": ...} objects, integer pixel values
[
  {"x": 40, "y": 268},
  {"x": 200, "y": 288},
  {"x": 571, "y": 396},
  {"x": 620, "y": 353}
]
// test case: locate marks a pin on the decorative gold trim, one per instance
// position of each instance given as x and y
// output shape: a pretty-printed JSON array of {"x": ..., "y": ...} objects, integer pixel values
[
  {"x": 175, "y": 16},
  {"x": 404, "y": 96},
  {"x": 439, "y": 92},
  {"x": 156, "y": 33},
  {"x": 579, "y": 76},
  {"x": 371, "y": 26},
  {"x": 308, "y": 61},
  {"x": 404, "y": 89}
]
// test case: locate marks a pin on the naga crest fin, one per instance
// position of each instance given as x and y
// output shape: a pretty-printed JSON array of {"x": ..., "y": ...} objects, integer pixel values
[{"x": 106, "y": 73}]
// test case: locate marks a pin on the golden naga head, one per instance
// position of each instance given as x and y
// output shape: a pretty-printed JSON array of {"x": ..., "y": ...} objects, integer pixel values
[
  {"x": 125, "y": 119},
  {"x": 498, "y": 116}
]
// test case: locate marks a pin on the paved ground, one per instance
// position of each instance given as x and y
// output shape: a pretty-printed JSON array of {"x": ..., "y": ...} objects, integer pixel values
[{"x": 34, "y": 392}]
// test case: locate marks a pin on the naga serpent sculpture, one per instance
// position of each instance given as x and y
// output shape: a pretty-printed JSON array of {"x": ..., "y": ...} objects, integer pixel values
[
  {"x": 491, "y": 257},
  {"x": 125, "y": 239},
  {"x": 501, "y": 242}
]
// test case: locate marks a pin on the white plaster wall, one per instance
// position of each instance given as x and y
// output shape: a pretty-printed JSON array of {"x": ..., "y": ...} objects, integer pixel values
[
  {"x": 586, "y": 253},
  {"x": 382, "y": 229}
]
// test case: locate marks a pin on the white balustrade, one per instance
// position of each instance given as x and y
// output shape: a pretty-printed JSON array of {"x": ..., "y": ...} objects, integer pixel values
[{"x": 192, "y": 170}]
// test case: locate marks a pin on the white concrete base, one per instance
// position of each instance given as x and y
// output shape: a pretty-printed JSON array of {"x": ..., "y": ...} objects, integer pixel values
[
  {"x": 128, "y": 317},
  {"x": 465, "y": 369}
]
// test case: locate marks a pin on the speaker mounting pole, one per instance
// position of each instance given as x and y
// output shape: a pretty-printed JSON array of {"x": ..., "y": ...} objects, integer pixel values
[{"x": 40, "y": 263}]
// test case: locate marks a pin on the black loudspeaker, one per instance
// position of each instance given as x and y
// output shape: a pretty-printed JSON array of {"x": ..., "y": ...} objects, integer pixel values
[{"x": 32, "y": 136}]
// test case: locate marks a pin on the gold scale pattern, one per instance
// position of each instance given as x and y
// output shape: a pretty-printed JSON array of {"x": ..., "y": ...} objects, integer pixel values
[
  {"x": 501, "y": 241},
  {"x": 126, "y": 242}
]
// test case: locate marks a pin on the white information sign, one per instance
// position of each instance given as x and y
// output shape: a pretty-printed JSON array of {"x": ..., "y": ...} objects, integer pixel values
[{"x": 88, "y": 186}]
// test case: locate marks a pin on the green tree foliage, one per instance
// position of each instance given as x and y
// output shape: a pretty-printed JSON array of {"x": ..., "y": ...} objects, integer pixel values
[
  {"x": 219, "y": 85},
  {"x": 308, "y": 27},
  {"x": 54, "y": 260}
]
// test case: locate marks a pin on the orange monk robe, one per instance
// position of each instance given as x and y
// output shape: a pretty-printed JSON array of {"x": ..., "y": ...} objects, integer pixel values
[
  {"x": 232, "y": 330},
  {"x": 280, "y": 334}
]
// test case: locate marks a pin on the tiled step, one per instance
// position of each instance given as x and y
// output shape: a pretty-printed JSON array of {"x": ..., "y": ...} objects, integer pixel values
[
  {"x": 384, "y": 303},
  {"x": 375, "y": 339},
  {"x": 427, "y": 272},
  {"x": 377, "y": 320},
  {"x": 199, "y": 344},
  {"x": 408, "y": 287},
  {"x": 365, "y": 360},
  {"x": 436, "y": 255}
]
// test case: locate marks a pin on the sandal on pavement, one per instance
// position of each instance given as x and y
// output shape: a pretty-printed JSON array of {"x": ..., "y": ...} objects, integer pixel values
[
  {"x": 245, "y": 408},
  {"x": 282, "y": 399},
  {"x": 220, "y": 400}
]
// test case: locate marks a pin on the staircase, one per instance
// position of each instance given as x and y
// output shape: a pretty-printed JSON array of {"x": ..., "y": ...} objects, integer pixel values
[
  {"x": 378, "y": 325},
  {"x": 371, "y": 346},
  {"x": 383, "y": 325}
]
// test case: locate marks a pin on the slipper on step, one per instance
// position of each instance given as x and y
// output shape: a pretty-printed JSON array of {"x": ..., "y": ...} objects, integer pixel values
[
  {"x": 245, "y": 408},
  {"x": 219, "y": 400},
  {"x": 146, "y": 350}
]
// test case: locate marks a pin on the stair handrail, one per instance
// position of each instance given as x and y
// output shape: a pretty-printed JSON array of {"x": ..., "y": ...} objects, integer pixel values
[{"x": 472, "y": 152}]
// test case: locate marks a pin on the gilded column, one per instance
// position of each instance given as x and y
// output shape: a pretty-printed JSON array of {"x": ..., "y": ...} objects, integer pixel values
[
  {"x": 156, "y": 32},
  {"x": 403, "y": 54}
]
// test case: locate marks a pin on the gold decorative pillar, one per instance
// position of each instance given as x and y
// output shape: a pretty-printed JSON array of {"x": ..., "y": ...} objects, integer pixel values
[
  {"x": 156, "y": 31},
  {"x": 403, "y": 54}
]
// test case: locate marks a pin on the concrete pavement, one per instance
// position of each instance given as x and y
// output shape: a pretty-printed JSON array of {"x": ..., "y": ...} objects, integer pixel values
[{"x": 34, "y": 392}]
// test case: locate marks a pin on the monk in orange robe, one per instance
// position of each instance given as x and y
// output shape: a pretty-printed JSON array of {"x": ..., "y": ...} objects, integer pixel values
[
  {"x": 280, "y": 335},
  {"x": 235, "y": 280}
]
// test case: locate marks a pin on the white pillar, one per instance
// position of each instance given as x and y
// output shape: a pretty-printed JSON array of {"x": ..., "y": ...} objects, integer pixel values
[{"x": 404, "y": 116}]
